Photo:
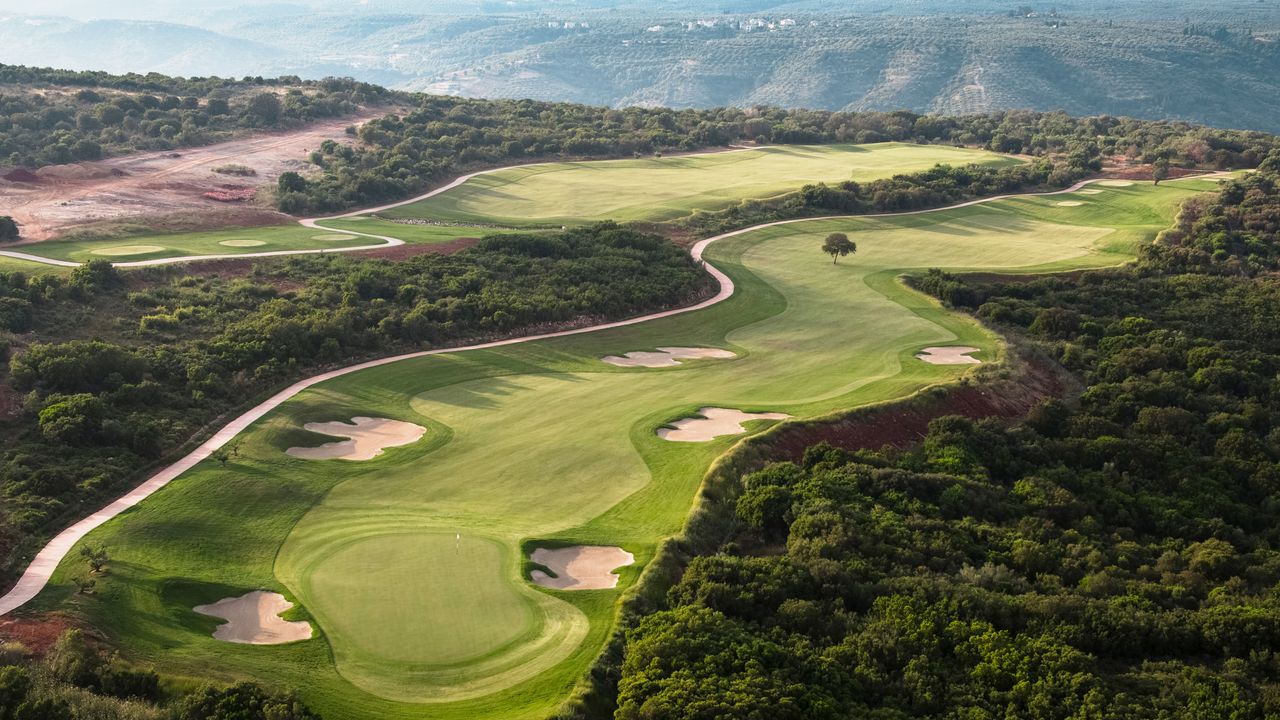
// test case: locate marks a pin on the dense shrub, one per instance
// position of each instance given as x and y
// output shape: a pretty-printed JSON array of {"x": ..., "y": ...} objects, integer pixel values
[
  {"x": 117, "y": 114},
  {"x": 1116, "y": 556}
]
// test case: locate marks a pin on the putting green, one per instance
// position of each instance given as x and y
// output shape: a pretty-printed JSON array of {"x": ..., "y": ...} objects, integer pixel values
[
  {"x": 410, "y": 564},
  {"x": 333, "y": 237},
  {"x": 668, "y": 188},
  {"x": 129, "y": 250}
]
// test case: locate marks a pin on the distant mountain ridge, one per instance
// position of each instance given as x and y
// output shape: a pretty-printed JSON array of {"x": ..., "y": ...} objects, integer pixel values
[{"x": 1218, "y": 65}]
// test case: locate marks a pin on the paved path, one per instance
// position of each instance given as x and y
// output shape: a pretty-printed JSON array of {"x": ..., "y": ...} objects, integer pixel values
[{"x": 41, "y": 568}]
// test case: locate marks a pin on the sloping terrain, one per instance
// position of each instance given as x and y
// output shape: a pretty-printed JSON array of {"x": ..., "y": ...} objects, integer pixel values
[
  {"x": 1215, "y": 63},
  {"x": 445, "y": 616},
  {"x": 57, "y": 198},
  {"x": 936, "y": 64}
]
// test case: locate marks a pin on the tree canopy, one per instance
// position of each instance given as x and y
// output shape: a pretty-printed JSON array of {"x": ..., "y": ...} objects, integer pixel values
[
  {"x": 838, "y": 245},
  {"x": 1116, "y": 554}
]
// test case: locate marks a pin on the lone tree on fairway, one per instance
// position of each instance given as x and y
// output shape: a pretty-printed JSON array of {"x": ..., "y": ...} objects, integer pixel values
[
  {"x": 8, "y": 228},
  {"x": 837, "y": 245}
]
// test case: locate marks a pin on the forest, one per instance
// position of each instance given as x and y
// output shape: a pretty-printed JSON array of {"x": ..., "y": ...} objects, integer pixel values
[
  {"x": 940, "y": 186},
  {"x": 50, "y": 117},
  {"x": 1114, "y": 555},
  {"x": 116, "y": 371},
  {"x": 61, "y": 116},
  {"x": 399, "y": 156}
]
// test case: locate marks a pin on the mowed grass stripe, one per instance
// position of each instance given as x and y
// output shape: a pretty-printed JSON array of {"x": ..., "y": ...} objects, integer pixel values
[
  {"x": 543, "y": 440},
  {"x": 221, "y": 242},
  {"x": 656, "y": 189}
]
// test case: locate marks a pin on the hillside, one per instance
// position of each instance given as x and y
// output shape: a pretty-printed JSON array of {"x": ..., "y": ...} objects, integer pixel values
[
  {"x": 1213, "y": 63},
  {"x": 933, "y": 64}
]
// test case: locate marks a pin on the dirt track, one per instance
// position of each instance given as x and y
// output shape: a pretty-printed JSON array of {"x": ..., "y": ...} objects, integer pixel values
[{"x": 159, "y": 184}]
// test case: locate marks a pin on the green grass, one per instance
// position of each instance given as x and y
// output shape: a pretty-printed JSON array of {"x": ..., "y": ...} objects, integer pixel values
[
  {"x": 542, "y": 441},
  {"x": 222, "y": 242},
  {"x": 550, "y": 194},
  {"x": 657, "y": 189},
  {"x": 413, "y": 234}
]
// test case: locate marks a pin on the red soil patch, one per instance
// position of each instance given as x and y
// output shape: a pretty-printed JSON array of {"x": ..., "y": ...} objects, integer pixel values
[
  {"x": 903, "y": 424},
  {"x": 21, "y": 175},
  {"x": 231, "y": 194},
  {"x": 1143, "y": 172},
  {"x": 37, "y": 632},
  {"x": 404, "y": 252},
  {"x": 132, "y": 188}
]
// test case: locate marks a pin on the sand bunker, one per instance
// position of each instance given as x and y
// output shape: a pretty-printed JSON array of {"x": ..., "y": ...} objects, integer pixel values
[
  {"x": 949, "y": 356},
  {"x": 242, "y": 243},
  {"x": 367, "y": 437},
  {"x": 1090, "y": 191},
  {"x": 1070, "y": 203},
  {"x": 128, "y": 250},
  {"x": 666, "y": 356},
  {"x": 254, "y": 619},
  {"x": 713, "y": 423},
  {"x": 582, "y": 567},
  {"x": 334, "y": 236},
  {"x": 1116, "y": 183}
]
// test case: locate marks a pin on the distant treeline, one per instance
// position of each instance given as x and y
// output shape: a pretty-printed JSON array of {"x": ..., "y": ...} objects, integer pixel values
[
  {"x": 44, "y": 124},
  {"x": 156, "y": 83},
  {"x": 936, "y": 187},
  {"x": 1115, "y": 556},
  {"x": 393, "y": 157},
  {"x": 444, "y": 137},
  {"x": 175, "y": 350}
]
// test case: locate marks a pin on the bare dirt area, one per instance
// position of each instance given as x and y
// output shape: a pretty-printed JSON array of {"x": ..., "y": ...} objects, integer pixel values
[
  {"x": 404, "y": 252},
  {"x": 902, "y": 424},
  {"x": 1124, "y": 171},
  {"x": 37, "y": 633},
  {"x": 170, "y": 186}
]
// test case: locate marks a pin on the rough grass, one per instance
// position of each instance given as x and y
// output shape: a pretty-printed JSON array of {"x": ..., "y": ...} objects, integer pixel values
[{"x": 543, "y": 441}]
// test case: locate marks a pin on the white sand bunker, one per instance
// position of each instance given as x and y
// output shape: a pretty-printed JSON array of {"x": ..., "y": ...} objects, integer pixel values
[
  {"x": 366, "y": 438},
  {"x": 1070, "y": 203},
  {"x": 1116, "y": 183},
  {"x": 334, "y": 236},
  {"x": 242, "y": 243},
  {"x": 713, "y": 423},
  {"x": 666, "y": 356},
  {"x": 1090, "y": 191},
  {"x": 128, "y": 250},
  {"x": 254, "y": 619},
  {"x": 949, "y": 356},
  {"x": 581, "y": 567}
]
